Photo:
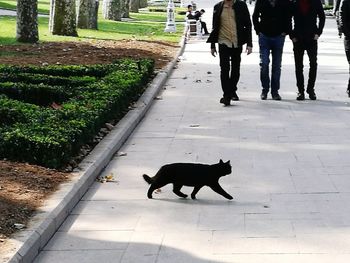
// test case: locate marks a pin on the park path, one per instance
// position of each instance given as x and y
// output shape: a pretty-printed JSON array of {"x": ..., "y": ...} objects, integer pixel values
[{"x": 290, "y": 179}]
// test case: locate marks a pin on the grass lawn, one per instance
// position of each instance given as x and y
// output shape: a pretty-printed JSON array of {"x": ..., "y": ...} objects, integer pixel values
[{"x": 142, "y": 26}]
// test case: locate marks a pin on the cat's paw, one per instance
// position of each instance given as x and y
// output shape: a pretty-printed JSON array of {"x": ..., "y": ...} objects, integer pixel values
[
  {"x": 229, "y": 197},
  {"x": 150, "y": 196},
  {"x": 193, "y": 197}
]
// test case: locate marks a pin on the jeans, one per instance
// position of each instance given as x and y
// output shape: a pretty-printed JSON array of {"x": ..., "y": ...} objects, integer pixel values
[
  {"x": 299, "y": 48},
  {"x": 230, "y": 73},
  {"x": 347, "y": 52},
  {"x": 273, "y": 45}
]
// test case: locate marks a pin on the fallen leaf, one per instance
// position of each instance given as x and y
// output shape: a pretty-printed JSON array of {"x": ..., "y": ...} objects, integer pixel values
[{"x": 18, "y": 226}]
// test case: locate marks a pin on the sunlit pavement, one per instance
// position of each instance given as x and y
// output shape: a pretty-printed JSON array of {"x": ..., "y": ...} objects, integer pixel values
[{"x": 290, "y": 177}]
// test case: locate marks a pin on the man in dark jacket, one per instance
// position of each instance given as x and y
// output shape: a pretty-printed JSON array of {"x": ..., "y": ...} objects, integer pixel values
[
  {"x": 305, "y": 33},
  {"x": 272, "y": 22},
  {"x": 344, "y": 26},
  {"x": 232, "y": 29},
  {"x": 197, "y": 16}
]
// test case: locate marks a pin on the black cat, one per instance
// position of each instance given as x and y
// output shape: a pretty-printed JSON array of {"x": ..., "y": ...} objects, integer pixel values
[{"x": 190, "y": 174}]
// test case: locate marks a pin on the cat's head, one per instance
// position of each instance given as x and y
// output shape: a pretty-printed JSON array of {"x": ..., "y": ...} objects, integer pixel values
[{"x": 225, "y": 167}]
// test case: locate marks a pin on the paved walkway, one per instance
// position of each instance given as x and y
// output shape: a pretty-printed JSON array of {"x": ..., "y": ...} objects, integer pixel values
[{"x": 290, "y": 177}]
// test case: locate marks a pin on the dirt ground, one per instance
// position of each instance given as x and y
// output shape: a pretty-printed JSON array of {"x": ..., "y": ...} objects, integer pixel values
[{"x": 23, "y": 187}]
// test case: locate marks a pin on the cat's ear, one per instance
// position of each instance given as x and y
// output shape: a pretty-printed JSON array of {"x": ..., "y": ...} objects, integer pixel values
[
  {"x": 221, "y": 161},
  {"x": 228, "y": 162}
]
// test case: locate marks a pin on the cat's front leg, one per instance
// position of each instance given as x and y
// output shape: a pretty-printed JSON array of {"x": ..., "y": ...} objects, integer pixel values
[
  {"x": 195, "y": 191},
  {"x": 218, "y": 189}
]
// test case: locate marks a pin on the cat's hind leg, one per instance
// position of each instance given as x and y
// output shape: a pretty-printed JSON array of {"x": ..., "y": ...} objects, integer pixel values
[
  {"x": 150, "y": 191},
  {"x": 218, "y": 189},
  {"x": 153, "y": 187},
  {"x": 195, "y": 191},
  {"x": 176, "y": 190}
]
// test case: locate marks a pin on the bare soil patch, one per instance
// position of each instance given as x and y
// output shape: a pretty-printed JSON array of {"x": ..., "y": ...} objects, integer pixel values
[{"x": 24, "y": 187}]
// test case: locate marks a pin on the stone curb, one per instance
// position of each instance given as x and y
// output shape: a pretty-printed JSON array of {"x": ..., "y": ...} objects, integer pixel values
[{"x": 47, "y": 222}]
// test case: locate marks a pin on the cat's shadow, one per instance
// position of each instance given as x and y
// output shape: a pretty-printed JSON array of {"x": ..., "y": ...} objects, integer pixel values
[
  {"x": 211, "y": 202},
  {"x": 189, "y": 201}
]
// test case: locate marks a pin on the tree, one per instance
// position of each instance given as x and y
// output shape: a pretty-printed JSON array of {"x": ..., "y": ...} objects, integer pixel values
[
  {"x": 87, "y": 13},
  {"x": 27, "y": 21},
  {"x": 125, "y": 8},
  {"x": 134, "y": 6},
  {"x": 63, "y": 18},
  {"x": 143, "y": 3},
  {"x": 111, "y": 9}
]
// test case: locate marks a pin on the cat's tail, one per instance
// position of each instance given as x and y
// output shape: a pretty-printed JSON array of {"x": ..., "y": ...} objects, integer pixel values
[{"x": 147, "y": 179}]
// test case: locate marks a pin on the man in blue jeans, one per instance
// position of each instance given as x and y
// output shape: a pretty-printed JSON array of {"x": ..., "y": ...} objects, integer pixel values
[{"x": 272, "y": 22}]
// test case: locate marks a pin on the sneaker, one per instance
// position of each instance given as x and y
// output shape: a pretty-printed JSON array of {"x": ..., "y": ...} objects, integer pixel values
[
  {"x": 225, "y": 101},
  {"x": 276, "y": 96},
  {"x": 263, "y": 96},
  {"x": 234, "y": 96},
  {"x": 301, "y": 96},
  {"x": 312, "y": 96}
]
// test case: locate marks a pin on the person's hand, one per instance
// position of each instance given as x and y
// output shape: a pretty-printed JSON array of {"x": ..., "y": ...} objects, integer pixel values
[
  {"x": 316, "y": 37},
  {"x": 213, "y": 52},
  {"x": 249, "y": 50}
]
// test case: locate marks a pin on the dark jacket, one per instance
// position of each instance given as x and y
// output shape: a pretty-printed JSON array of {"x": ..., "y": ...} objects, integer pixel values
[
  {"x": 305, "y": 25},
  {"x": 272, "y": 21},
  {"x": 344, "y": 18},
  {"x": 244, "y": 25}
]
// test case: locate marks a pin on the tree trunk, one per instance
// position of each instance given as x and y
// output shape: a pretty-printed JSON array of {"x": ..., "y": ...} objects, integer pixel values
[
  {"x": 125, "y": 9},
  {"x": 143, "y": 3},
  {"x": 111, "y": 9},
  {"x": 134, "y": 6},
  {"x": 27, "y": 21},
  {"x": 87, "y": 14},
  {"x": 63, "y": 18}
]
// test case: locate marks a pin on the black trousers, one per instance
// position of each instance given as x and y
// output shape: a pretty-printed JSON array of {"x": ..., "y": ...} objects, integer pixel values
[
  {"x": 230, "y": 62},
  {"x": 204, "y": 27},
  {"x": 347, "y": 52},
  {"x": 299, "y": 49}
]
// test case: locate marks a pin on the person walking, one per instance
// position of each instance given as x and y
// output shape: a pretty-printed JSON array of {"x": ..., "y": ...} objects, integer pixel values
[
  {"x": 305, "y": 33},
  {"x": 232, "y": 28},
  {"x": 344, "y": 28},
  {"x": 272, "y": 22}
]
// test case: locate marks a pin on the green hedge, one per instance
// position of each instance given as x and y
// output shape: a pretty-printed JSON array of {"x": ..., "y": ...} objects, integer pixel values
[{"x": 33, "y": 131}]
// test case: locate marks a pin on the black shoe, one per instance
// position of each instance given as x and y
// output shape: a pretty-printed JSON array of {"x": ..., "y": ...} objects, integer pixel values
[
  {"x": 234, "y": 96},
  {"x": 276, "y": 96},
  {"x": 263, "y": 96},
  {"x": 225, "y": 101},
  {"x": 301, "y": 96},
  {"x": 312, "y": 96}
]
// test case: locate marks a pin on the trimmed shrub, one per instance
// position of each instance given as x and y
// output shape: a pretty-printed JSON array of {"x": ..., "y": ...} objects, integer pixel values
[{"x": 46, "y": 124}]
